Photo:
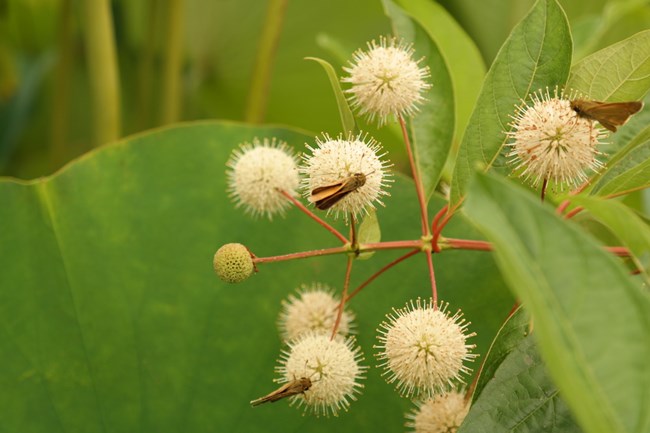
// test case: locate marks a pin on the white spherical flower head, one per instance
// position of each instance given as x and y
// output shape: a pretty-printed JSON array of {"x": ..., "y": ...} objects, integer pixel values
[
  {"x": 331, "y": 365},
  {"x": 423, "y": 349},
  {"x": 313, "y": 310},
  {"x": 386, "y": 81},
  {"x": 550, "y": 142},
  {"x": 441, "y": 414},
  {"x": 352, "y": 168},
  {"x": 258, "y": 171}
]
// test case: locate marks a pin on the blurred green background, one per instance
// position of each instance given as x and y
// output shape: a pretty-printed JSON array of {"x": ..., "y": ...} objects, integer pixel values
[{"x": 194, "y": 59}]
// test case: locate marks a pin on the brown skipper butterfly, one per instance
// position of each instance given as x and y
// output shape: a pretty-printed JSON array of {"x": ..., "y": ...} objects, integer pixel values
[
  {"x": 609, "y": 114},
  {"x": 295, "y": 387}
]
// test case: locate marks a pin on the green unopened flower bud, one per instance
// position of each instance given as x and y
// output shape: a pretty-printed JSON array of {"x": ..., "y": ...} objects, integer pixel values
[{"x": 233, "y": 263}]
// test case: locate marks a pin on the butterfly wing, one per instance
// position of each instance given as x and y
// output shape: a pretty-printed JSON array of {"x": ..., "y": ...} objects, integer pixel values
[{"x": 609, "y": 114}]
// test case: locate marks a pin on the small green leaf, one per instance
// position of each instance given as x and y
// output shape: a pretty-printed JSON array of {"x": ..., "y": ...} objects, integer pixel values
[
  {"x": 620, "y": 72},
  {"x": 369, "y": 232},
  {"x": 590, "y": 316},
  {"x": 537, "y": 54},
  {"x": 519, "y": 395},
  {"x": 463, "y": 58},
  {"x": 513, "y": 331},
  {"x": 432, "y": 127},
  {"x": 629, "y": 169},
  {"x": 347, "y": 118},
  {"x": 624, "y": 223}
]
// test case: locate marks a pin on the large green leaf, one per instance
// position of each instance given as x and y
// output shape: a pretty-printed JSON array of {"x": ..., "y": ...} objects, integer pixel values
[
  {"x": 515, "y": 368},
  {"x": 112, "y": 320},
  {"x": 590, "y": 317},
  {"x": 465, "y": 63},
  {"x": 536, "y": 55},
  {"x": 432, "y": 128},
  {"x": 620, "y": 72}
]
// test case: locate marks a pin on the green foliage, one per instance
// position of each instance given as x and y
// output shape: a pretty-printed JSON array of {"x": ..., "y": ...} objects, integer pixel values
[
  {"x": 581, "y": 300},
  {"x": 620, "y": 72},
  {"x": 514, "y": 367}
]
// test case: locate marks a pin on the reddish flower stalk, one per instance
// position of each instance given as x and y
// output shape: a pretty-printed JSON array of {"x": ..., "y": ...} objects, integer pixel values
[
  {"x": 436, "y": 219},
  {"x": 310, "y": 214},
  {"x": 418, "y": 182},
  {"x": 301, "y": 255},
  {"x": 467, "y": 244},
  {"x": 344, "y": 295},
  {"x": 379, "y": 272},
  {"x": 574, "y": 212},
  {"x": 432, "y": 278}
]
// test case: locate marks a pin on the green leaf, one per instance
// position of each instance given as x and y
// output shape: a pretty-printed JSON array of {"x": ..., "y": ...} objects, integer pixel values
[
  {"x": 511, "y": 334},
  {"x": 432, "y": 128},
  {"x": 518, "y": 395},
  {"x": 629, "y": 169},
  {"x": 347, "y": 118},
  {"x": 461, "y": 55},
  {"x": 596, "y": 29},
  {"x": 620, "y": 72},
  {"x": 111, "y": 317},
  {"x": 589, "y": 315},
  {"x": 537, "y": 54},
  {"x": 626, "y": 225},
  {"x": 369, "y": 232}
]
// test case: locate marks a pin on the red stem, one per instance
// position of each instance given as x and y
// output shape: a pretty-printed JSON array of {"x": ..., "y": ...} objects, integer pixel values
[
  {"x": 418, "y": 182},
  {"x": 313, "y": 216},
  {"x": 562, "y": 207},
  {"x": 301, "y": 255},
  {"x": 436, "y": 219},
  {"x": 467, "y": 244},
  {"x": 344, "y": 296},
  {"x": 574, "y": 212},
  {"x": 432, "y": 278},
  {"x": 619, "y": 251},
  {"x": 392, "y": 245},
  {"x": 379, "y": 272}
]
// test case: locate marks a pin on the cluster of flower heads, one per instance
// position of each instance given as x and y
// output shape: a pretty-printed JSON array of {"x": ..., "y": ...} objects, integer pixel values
[
  {"x": 386, "y": 82},
  {"x": 261, "y": 175},
  {"x": 551, "y": 142},
  {"x": 421, "y": 346}
]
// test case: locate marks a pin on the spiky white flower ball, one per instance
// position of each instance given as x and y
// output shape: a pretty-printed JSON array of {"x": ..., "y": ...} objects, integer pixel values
[
  {"x": 551, "y": 142},
  {"x": 331, "y": 365},
  {"x": 386, "y": 81},
  {"x": 441, "y": 414},
  {"x": 335, "y": 160},
  {"x": 258, "y": 171},
  {"x": 423, "y": 348},
  {"x": 313, "y": 310}
]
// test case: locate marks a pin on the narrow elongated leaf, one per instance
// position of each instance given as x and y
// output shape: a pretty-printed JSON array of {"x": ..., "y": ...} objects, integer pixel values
[
  {"x": 620, "y": 72},
  {"x": 536, "y": 55},
  {"x": 347, "y": 118},
  {"x": 432, "y": 127},
  {"x": 517, "y": 369},
  {"x": 463, "y": 58},
  {"x": 629, "y": 169},
  {"x": 571, "y": 285}
]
